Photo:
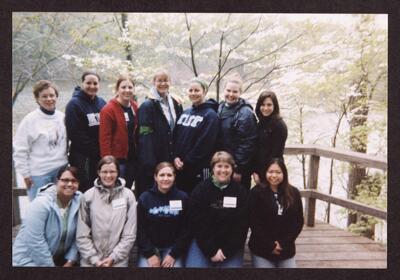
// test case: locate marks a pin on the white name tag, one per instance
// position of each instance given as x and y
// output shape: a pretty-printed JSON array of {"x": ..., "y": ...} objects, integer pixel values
[
  {"x": 119, "y": 203},
  {"x": 175, "y": 205},
  {"x": 126, "y": 116},
  {"x": 93, "y": 119},
  {"x": 229, "y": 202},
  {"x": 280, "y": 210}
]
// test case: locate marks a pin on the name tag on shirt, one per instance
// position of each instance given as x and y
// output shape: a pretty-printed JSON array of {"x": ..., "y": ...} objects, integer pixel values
[
  {"x": 175, "y": 205},
  {"x": 93, "y": 119},
  {"x": 280, "y": 210},
  {"x": 126, "y": 116},
  {"x": 229, "y": 202},
  {"x": 119, "y": 203}
]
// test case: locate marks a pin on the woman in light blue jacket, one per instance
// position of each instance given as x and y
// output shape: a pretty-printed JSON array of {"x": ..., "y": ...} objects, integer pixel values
[{"x": 47, "y": 235}]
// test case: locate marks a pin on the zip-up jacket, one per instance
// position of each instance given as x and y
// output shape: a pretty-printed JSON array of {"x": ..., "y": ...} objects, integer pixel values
[
  {"x": 212, "y": 223},
  {"x": 82, "y": 122},
  {"x": 40, "y": 234},
  {"x": 113, "y": 133},
  {"x": 161, "y": 227},
  {"x": 267, "y": 226}
]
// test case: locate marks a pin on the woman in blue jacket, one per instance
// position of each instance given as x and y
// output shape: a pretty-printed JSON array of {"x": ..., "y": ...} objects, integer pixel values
[
  {"x": 195, "y": 137},
  {"x": 238, "y": 130},
  {"x": 47, "y": 235},
  {"x": 82, "y": 120},
  {"x": 163, "y": 235}
]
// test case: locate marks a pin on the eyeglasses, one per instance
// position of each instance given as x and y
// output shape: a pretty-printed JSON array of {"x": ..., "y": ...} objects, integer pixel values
[
  {"x": 108, "y": 172},
  {"x": 67, "y": 180}
]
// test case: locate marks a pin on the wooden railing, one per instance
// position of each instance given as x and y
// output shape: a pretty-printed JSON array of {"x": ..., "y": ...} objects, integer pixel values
[{"x": 311, "y": 192}]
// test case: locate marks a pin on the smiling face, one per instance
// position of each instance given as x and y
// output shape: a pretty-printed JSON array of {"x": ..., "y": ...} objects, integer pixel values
[
  {"x": 232, "y": 93},
  {"x": 67, "y": 185},
  {"x": 165, "y": 178},
  {"x": 222, "y": 172},
  {"x": 108, "y": 175},
  {"x": 267, "y": 107},
  {"x": 196, "y": 94},
  {"x": 91, "y": 85},
  {"x": 125, "y": 91},
  {"x": 274, "y": 175},
  {"x": 161, "y": 83},
  {"x": 47, "y": 99}
]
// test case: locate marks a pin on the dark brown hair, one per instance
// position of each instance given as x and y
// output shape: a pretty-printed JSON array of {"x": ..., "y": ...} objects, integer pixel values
[
  {"x": 122, "y": 78},
  {"x": 264, "y": 95},
  {"x": 107, "y": 160},
  {"x": 287, "y": 199},
  {"x": 163, "y": 164},
  {"x": 87, "y": 73},
  {"x": 42, "y": 85},
  {"x": 72, "y": 169}
]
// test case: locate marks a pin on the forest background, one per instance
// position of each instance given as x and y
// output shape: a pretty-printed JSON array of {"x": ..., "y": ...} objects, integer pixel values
[{"x": 329, "y": 72}]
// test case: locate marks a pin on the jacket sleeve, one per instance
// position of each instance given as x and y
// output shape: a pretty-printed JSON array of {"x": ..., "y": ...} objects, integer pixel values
[
  {"x": 257, "y": 223},
  {"x": 144, "y": 243},
  {"x": 128, "y": 235},
  {"x": 279, "y": 136},
  {"x": 22, "y": 145},
  {"x": 105, "y": 131},
  {"x": 84, "y": 234},
  {"x": 147, "y": 142},
  {"x": 77, "y": 130},
  {"x": 295, "y": 223},
  {"x": 246, "y": 135},
  {"x": 205, "y": 143},
  {"x": 35, "y": 224},
  {"x": 72, "y": 254},
  {"x": 183, "y": 239},
  {"x": 237, "y": 237},
  {"x": 199, "y": 222}
]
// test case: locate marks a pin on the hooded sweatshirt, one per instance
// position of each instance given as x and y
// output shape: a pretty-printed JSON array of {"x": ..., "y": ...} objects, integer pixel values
[
  {"x": 238, "y": 132},
  {"x": 82, "y": 120},
  {"x": 161, "y": 227},
  {"x": 40, "y": 234},
  {"x": 106, "y": 224},
  {"x": 195, "y": 135}
]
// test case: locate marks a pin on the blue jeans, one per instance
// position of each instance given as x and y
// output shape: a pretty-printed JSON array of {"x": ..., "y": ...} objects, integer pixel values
[
  {"x": 196, "y": 258},
  {"x": 40, "y": 181},
  {"x": 259, "y": 262},
  {"x": 142, "y": 261}
]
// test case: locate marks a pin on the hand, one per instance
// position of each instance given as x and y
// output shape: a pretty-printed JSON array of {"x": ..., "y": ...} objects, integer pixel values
[
  {"x": 99, "y": 263},
  {"x": 256, "y": 178},
  {"x": 28, "y": 182},
  {"x": 237, "y": 177},
  {"x": 69, "y": 264},
  {"x": 108, "y": 262},
  {"x": 168, "y": 261},
  {"x": 178, "y": 163},
  {"x": 154, "y": 261},
  {"x": 218, "y": 257},
  {"x": 277, "y": 250}
]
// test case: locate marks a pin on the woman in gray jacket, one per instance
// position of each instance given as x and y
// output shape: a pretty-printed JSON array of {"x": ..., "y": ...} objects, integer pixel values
[{"x": 107, "y": 219}]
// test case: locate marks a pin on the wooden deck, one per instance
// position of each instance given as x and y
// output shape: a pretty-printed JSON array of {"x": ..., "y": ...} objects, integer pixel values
[{"x": 325, "y": 246}]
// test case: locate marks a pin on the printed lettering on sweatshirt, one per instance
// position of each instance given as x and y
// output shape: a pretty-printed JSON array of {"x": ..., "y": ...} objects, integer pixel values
[
  {"x": 93, "y": 119},
  {"x": 190, "y": 120},
  {"x": 163, "y": 211}
]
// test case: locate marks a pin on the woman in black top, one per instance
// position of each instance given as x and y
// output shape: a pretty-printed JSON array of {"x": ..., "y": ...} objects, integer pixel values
[
  {"x": 217, "y": 218},
  {"x": 275, "y": 217},
  {"x": 271, "y": 132}
]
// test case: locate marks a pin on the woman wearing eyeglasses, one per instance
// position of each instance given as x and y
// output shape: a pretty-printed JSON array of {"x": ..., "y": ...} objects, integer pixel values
[
  {"x": 107, "y": 219},
  {"x": 47, "y": 235}
]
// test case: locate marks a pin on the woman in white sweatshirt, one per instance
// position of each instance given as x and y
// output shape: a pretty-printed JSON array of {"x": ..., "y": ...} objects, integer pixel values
[{"x": 40, "y": 143}]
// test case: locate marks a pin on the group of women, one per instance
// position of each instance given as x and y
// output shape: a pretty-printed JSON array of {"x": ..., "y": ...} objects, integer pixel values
[{"x": 192, "y": 171}]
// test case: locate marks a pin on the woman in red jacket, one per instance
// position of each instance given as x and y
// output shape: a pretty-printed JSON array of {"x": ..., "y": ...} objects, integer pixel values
[{"x": 118, "y": 123}]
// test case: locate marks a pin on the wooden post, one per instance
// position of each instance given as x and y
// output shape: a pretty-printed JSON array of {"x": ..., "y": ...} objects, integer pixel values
[{"x": 312, "y": 184}]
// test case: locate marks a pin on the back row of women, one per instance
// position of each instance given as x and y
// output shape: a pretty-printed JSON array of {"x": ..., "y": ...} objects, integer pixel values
[
  {"x": 207, "y": 229},
  {"x": 140, "y": 138}
]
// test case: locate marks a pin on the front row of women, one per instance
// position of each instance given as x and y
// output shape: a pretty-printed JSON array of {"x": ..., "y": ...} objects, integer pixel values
[{"x": 207, "y": 229}]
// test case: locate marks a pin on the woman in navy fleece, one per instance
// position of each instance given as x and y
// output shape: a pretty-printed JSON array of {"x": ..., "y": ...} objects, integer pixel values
[
  {"x": 82, "y": 120},
  {"x": 162, "y": 232},
  {"x": 195, "y": 137}
]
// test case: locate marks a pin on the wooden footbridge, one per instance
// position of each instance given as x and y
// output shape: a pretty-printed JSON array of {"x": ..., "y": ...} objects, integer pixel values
[{"x": 320, "y": 245}]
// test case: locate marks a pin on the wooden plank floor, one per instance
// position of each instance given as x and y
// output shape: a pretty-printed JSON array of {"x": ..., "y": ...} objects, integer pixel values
[{"x": 323, "y": 246}]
